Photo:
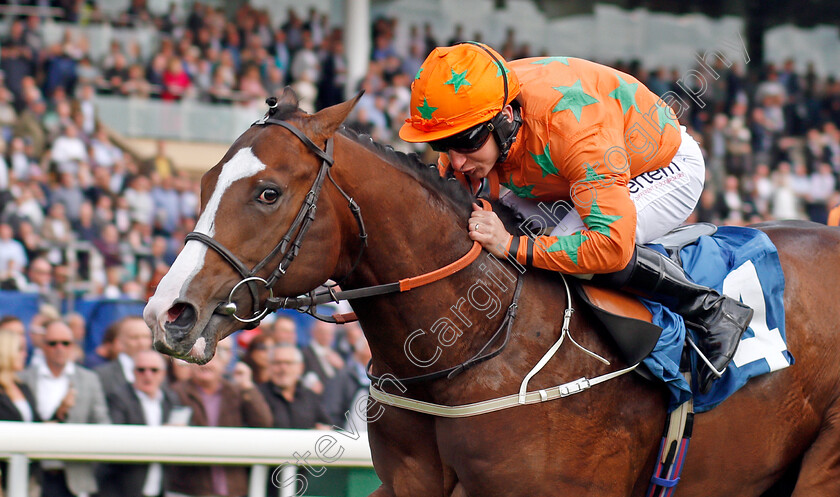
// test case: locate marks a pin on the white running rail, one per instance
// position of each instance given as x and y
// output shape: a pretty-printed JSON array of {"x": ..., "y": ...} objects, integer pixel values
[{"x": 264, "y": 449}]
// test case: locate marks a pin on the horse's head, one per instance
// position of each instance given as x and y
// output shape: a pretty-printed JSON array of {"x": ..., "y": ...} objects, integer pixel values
[{"x": 257, "y": 204}]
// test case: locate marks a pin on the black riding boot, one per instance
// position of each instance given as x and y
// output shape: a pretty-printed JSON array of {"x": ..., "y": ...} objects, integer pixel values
[{"x": 718, "y": 320}]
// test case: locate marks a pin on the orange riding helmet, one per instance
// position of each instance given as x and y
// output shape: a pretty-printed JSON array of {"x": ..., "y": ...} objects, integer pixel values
[{"x": 456, "y": 88}]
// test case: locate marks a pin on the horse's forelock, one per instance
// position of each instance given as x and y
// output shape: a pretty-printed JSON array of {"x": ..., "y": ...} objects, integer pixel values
[{"x": 288, "y": 98}]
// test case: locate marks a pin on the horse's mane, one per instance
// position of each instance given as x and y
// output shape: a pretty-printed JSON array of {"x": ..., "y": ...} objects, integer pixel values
[{"x": 448, "y": 189}]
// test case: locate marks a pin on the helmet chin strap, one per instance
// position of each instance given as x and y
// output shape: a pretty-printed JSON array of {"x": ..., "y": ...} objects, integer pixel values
[{"x": 505, "y": 131}]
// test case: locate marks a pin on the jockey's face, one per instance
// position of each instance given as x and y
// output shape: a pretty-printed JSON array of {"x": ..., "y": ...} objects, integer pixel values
[
  {"x": 476, "y": 164},
  {"x": 479, "y": 163}
]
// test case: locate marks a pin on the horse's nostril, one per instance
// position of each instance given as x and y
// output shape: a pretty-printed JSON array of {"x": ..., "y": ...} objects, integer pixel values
[
  {"x": 175, "y": 312},
  {"x": 181, "y": 318}
]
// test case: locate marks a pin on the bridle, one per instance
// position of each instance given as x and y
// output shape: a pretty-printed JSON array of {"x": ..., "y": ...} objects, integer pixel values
[{"x": 290, "y": 244}]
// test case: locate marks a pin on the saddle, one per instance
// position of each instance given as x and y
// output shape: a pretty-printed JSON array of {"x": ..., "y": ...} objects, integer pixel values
[{"x": 626, "y": 320}]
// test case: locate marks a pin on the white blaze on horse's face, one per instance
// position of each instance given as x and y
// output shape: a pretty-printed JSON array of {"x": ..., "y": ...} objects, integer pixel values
[{"x": 174, "y": 285}]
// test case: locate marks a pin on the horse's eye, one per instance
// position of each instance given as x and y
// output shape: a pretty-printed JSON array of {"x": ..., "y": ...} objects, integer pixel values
[{"x": 269, "y": 196}]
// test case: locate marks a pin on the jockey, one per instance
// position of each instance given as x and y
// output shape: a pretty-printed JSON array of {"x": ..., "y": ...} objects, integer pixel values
[{"x": 566, "y": 129}]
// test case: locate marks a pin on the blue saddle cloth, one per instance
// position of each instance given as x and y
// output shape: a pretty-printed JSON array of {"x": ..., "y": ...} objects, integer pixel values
[{"x": 742, "y": 263}]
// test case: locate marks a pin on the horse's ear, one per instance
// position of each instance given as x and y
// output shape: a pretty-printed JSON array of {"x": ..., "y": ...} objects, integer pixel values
[
  {"x": 326, "y": 121},
  {"x": 289, "y": 97}
]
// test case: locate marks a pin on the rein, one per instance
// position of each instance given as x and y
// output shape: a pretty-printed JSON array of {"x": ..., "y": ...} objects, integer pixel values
[{"x": 406, "y": 284}]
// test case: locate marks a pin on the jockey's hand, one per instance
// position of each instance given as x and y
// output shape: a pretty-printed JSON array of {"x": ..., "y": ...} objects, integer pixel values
[{"x": 486, "y": 228}]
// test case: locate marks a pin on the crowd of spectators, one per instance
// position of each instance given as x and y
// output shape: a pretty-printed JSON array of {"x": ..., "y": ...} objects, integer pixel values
[
  {"x": 108, "y": 222},
  {"x": 271, "y": 383},
  {"x": 83, "y": 217}
]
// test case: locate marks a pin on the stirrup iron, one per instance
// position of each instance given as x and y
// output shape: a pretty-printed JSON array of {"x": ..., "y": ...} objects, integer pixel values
[{"x": 703, "y": 357}]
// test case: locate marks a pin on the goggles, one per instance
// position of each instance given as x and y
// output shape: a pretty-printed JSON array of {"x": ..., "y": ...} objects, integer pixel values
[{"x": 465, "y": 142}]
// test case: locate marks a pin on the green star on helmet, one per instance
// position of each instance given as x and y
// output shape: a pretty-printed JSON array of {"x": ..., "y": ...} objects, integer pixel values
[
  {"x": 417, "y": 76},
  {"x": 519, "y": 191},
  {"x": 570, "y": 244},
  {"x": 426, "y": 110},
  {"x": 458, "y": 80},
  {"x": 573, "y": 99},
  {"x": 501, "y": 67}
]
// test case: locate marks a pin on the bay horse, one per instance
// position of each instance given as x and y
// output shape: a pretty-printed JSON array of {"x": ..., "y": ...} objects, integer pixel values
[{"x": 602, "y": 442}]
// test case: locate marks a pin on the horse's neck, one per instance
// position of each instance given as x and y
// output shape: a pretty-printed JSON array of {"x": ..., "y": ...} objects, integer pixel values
[{"x": 411, "y": 231}]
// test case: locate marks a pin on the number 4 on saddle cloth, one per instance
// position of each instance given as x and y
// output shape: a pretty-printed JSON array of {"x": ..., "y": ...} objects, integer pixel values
[{"x": 740, "y": 262}]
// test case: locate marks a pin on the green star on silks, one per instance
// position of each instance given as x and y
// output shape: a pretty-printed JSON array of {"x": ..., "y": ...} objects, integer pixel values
[
  {"x": 664, "y": 114},
  {"x": 417, "y": 76},
  {"x": 501, "y": 67},
  {"x": 591, "y": 175},
  {"x": 426, "y": 110},
  {"x": 598, "y": 221},
  {"x": 626, "y": 95},
  {"x": 519, "y": 191},
  {"x": 574, "y": 99},
  {"x": 548, "y": 60},
  {"x": 569, "y": 244},
  {"x": 544, "y": 161}
]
